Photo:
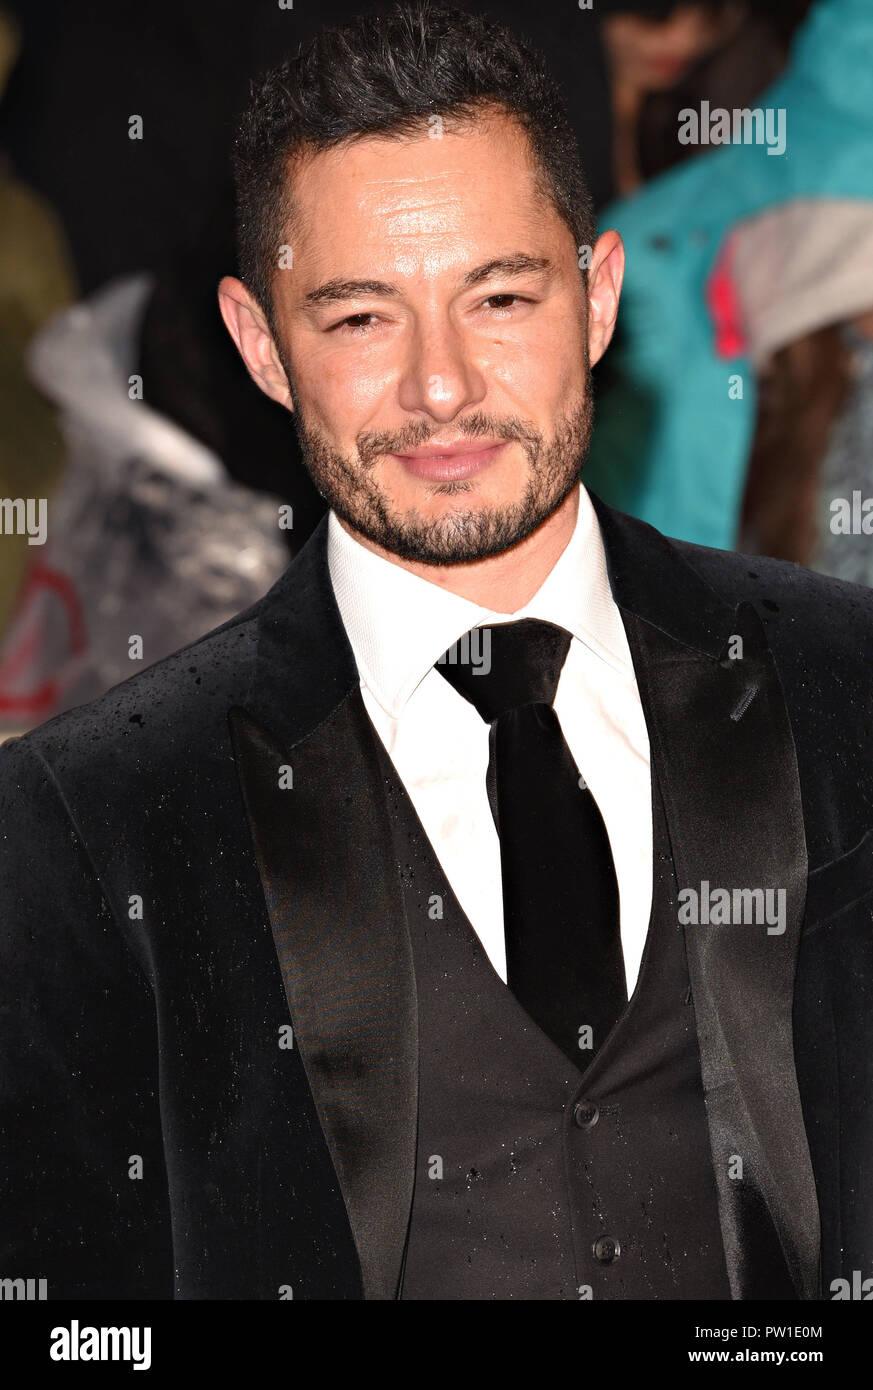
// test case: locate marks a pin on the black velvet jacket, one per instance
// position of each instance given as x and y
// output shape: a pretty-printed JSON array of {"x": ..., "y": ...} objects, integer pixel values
[{"x": 169, "y": 906}]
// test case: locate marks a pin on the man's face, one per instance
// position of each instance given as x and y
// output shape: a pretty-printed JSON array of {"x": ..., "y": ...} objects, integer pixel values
[{"x": 432, "y": 328}]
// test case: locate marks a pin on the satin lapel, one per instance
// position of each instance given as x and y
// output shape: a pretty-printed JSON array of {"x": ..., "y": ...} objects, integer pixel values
[
  {"x": 306, "y": 760},
  {"x": 724, "y": 752},
  {"x": 335, "y": 906}
]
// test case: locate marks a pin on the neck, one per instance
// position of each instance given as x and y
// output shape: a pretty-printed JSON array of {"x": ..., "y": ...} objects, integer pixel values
[{"x": 503, "y": 583}]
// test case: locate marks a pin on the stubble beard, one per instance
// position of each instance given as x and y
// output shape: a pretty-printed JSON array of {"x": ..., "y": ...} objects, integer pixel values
[{"x": 462, "y": 535}]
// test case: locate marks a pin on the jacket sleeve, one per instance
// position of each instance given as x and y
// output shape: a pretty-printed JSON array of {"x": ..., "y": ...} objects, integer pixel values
[{"x": 83, "y": 1184}]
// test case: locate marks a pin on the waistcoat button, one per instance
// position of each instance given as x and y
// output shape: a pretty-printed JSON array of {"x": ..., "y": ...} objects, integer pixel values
[
  {"x": 585, "y": 1114},
  {"x": 606, "y": 1249}
]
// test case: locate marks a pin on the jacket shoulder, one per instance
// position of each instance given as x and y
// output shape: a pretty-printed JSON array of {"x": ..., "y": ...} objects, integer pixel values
[
  {"x": 801, "y": 609},
  {"x": 169, "y": 710}
]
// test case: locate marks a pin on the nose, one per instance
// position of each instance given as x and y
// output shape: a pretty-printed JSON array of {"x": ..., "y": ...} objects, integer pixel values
[{"x": 439, "y": 375}]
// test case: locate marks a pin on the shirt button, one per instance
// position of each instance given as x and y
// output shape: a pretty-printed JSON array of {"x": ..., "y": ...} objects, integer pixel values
[
  {"x": 585, "y": 1114},
  {"x": 606, "y": 1250}
]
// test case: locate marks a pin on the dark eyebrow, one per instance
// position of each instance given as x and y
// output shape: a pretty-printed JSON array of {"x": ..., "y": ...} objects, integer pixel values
[
  {"x": 334, "y": 290},
  {"x": 519, "y": 264}
]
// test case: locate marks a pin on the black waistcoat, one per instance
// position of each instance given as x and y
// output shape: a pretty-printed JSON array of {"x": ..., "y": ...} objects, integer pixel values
[{"x": 535, "y": 1179}]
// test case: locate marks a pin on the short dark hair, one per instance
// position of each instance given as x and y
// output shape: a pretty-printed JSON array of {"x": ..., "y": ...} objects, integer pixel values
[{"x": 386, "y": 73}]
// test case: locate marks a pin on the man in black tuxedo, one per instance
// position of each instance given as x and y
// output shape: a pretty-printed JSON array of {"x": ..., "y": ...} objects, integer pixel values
[{"x": 485, "y": 913}]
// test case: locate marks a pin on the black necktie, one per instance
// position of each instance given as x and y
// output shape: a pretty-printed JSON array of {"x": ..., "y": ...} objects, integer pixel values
[{"x": 560, "y": 896}]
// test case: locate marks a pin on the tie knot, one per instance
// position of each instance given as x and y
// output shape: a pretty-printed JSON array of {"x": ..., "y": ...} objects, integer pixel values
[{"x": 507, "y": 665}]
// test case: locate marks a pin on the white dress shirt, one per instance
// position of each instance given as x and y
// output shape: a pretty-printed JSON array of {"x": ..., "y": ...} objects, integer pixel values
[{"x": 399, "y": 624}]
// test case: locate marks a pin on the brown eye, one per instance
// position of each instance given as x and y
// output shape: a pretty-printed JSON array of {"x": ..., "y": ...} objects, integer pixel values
[{"x": 353, "y": 324}]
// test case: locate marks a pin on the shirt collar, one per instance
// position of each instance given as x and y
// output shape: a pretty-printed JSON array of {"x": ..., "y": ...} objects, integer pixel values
[{"x": 399, "y": 624}]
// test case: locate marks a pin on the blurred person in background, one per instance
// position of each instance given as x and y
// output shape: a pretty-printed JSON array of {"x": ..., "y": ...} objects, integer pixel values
[
  {"x": 149, "y": 542},
  {"x": 803, "y": 276},
  {"x": 663, "y": 56},
  {"x": 678, "y": 408}
]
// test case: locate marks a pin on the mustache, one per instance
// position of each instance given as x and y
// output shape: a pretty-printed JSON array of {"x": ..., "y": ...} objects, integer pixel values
[{"x": 371, "y": 445}]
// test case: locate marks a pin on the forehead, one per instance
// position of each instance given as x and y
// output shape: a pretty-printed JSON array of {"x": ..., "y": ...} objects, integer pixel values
[{"x": 402, "y": 198}]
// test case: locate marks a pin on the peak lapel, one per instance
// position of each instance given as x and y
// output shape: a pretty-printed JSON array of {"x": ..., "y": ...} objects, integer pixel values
[{"x": 333, "y": 896}]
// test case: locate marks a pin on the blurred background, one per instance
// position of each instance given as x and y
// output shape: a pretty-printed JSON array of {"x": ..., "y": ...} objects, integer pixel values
[{"x": 734, "y": 409}]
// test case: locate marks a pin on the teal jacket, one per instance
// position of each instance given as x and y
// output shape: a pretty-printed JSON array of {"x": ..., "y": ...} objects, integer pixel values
[{"x": 674, "y": 415}]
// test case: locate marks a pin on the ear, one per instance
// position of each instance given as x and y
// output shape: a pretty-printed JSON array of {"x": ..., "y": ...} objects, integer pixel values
[
  {"x": 245, "y": 322},
  {"x": 605, "y": 275}
]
